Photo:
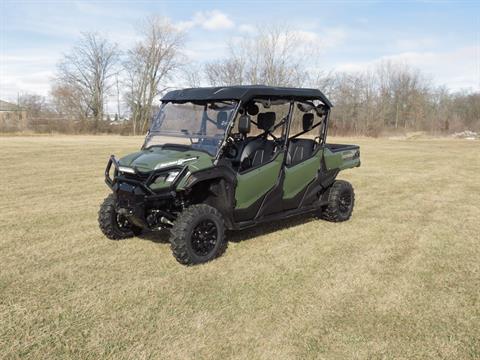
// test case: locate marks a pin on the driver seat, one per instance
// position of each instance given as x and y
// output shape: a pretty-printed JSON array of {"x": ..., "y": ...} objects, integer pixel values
[{"x": 258, "y": 149}]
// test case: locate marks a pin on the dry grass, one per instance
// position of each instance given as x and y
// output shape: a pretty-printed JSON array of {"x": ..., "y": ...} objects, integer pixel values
[{"x": 400, "y": 280}]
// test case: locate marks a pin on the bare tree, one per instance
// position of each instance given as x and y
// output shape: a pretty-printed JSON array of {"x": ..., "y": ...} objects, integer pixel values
[
  {"x": 273, "y": 56},
  {"x": 69, "y": 102},
  {"x": 193, "y": 75},
  {"x": 149, "y": 65},
  {"x": 35, "y": 105},
  {"x": 225, "y": 72},
  {"x": 86, "y": 71},
  {"x": 466, "y": 108},
  {"x": 403, "y": 89},
  {"x": 323, "y": 80},
  {"x": 390, "y": 96}
]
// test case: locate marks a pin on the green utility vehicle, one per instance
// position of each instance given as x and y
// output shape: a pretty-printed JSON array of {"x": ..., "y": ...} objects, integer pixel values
[{"x": 228, "y": 158}]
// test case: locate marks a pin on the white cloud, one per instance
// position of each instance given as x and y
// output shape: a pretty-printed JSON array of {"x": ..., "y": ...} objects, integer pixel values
[
  {"x": 214, "y": 20},
  {"x": 22, "y": 72},
  {"x": 185, "y": 25},
  {"x": 247, "y": 28},
  {"x": 458, "y": 69},
  {"x": 415, "y": 44},
  {"x": 204, "y": 50},
  {"x": 208, "y": 20},
  {"x": 322, "y": 39},
  {"x": 306, "y": 36},
  {"x": 34, "y": 82},
  {"x": 333, "y": 37}
]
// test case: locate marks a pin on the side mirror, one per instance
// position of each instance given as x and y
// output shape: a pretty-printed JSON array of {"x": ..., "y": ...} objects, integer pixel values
[{"x": 244, "y": 124}]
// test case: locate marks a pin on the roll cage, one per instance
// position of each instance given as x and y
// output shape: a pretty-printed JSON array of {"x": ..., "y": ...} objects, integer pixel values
[
  {"x": 322, "y": 110},
  {"x": 245, "y": 94}
]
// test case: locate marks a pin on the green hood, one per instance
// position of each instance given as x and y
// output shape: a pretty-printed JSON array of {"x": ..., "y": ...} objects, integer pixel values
[{"x": 148, "y": 160}]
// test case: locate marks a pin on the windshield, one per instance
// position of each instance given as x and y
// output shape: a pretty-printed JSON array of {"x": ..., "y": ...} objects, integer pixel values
[{"x": 196, "y": 126}]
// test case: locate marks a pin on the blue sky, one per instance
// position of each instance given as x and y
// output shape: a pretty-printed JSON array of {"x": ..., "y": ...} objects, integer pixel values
[{"x": 440, "y": 38}]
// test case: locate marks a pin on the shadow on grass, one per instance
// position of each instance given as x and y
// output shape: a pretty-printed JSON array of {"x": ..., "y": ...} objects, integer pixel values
[
  {"x": 159, "y": 237},
  {"x": 162, "y": 237}
]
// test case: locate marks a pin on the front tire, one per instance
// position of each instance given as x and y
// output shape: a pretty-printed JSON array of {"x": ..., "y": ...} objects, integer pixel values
[
  {"x": 341, "y": 199},
  {"x": 198, "y": 235},
  {"x": 113, "y": 225}
]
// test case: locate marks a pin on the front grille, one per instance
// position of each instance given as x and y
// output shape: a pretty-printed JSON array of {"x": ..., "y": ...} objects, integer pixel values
[{"x": 137, "y": 177}]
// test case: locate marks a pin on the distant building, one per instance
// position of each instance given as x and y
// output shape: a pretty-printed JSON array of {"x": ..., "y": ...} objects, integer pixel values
[
  {"x": 114, "y": 119},
  {"x": 12, "y": 117}
]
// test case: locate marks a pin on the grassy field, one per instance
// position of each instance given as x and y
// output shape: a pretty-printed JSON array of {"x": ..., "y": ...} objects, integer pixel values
[{"x": 401, "y": 280}]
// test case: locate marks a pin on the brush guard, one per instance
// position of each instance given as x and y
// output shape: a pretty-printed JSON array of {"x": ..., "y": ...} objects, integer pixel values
[{"x": 133, "y": 195}]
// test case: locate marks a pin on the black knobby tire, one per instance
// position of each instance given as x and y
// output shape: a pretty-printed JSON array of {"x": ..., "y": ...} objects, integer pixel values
[
  {"x": 341, "y": 199},
  {"x": 112, "y": 225},
  {"x": 198, "y": 235}
]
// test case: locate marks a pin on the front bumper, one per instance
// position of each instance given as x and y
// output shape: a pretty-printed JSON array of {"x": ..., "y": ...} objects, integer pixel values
[{"x": 134, "y": 195}]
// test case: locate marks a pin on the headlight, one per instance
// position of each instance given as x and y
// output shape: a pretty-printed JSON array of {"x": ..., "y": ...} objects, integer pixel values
[
  {"x": 126, "y": 169},
  {"x": 171, "y": 176}
]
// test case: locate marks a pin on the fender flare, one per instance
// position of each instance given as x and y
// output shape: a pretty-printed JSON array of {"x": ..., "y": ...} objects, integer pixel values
[
  {"x": 222, "y": 183},
  {"x": 212, "y": 173}
]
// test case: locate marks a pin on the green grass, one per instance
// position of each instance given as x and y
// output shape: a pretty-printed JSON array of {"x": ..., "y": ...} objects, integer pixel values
[{"x": 400, "y": 280}]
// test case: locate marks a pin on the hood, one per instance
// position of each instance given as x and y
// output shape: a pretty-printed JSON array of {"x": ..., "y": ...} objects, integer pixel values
[{"x": 153, "y": 158}]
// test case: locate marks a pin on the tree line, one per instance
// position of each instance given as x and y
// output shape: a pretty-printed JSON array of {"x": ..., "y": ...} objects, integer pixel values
[{"x": 390, "y": 97}]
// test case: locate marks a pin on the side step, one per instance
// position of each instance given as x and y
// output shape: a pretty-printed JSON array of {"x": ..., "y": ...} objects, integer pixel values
[{"x": 280, "y": 216}]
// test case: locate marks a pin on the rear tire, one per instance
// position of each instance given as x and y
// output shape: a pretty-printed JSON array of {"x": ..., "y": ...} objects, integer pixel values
[
  {"x": 113, "y": 225},
  {"x": 198, "y": 235},
  {"x": 341, "y": 199}
]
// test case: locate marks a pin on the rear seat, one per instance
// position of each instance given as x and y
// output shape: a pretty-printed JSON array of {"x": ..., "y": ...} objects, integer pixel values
[
  {"x": 259, "y": 150},
  {"x": 301, "y": 149}
]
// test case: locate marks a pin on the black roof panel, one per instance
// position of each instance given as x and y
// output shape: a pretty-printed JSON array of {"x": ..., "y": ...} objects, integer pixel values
[{"x": 244, "y": 93}]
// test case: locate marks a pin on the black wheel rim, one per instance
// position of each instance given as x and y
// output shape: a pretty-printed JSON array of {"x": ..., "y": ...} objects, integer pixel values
[
  {"x": 345, "y": 202},
  {"x": 204, "y": 237},
  {"x": 122, "y": 223}
]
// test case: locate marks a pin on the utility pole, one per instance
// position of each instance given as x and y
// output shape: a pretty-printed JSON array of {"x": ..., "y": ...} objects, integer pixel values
[
  {"x": 396, "y": 117},
  {"x": 19, "y": 113},
  {"x": 118, "y": 97}
]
